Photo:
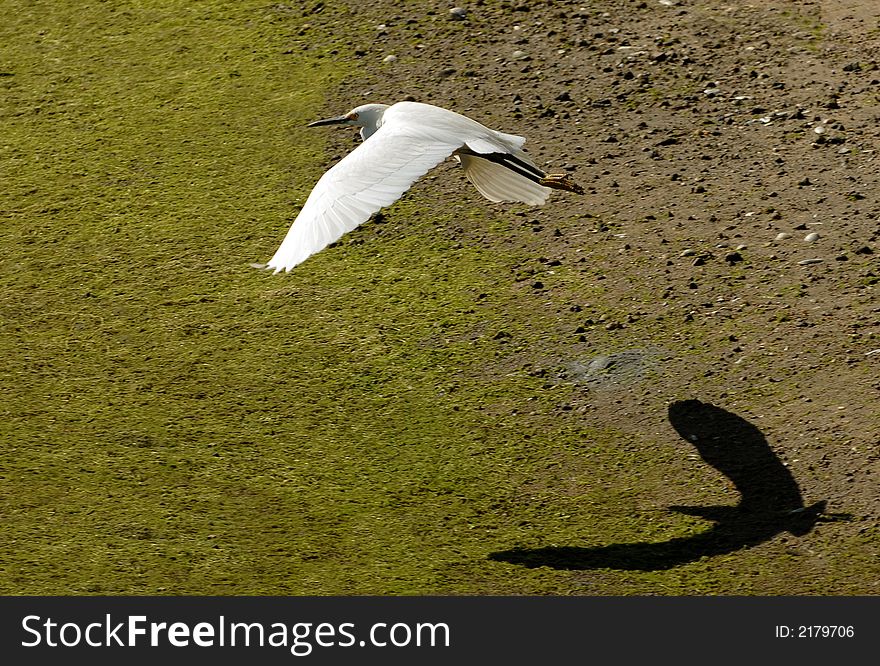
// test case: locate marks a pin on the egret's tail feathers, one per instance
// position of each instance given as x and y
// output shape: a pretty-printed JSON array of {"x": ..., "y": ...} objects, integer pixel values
[
  {"x": 561, "y": 181},
  {"x": 498, "y": 183}
]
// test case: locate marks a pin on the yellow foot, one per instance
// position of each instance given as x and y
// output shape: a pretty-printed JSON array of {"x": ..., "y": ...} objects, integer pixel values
[{"x": 561, "y": 181}]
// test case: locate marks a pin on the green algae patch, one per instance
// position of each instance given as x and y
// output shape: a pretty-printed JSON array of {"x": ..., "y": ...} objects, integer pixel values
[{"x": 149, "y": 154}]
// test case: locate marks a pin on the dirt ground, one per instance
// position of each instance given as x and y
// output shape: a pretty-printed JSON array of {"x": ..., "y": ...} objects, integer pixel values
[{"x": 729, "y": 152}]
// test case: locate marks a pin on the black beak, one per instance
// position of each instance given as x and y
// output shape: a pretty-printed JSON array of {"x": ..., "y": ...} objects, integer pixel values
[{"x": 330, "y": 121}]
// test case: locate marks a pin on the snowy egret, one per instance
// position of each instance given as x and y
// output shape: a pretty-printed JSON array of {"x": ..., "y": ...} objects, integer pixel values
[{"x": 401, "y": 143}]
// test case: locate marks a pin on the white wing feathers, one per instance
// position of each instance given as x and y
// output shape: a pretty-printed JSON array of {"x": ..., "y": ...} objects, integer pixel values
[
  {"x": 498, "y": 183},
  {"x": 372, "y": 176},
  {"x": 412, "y": 139}
]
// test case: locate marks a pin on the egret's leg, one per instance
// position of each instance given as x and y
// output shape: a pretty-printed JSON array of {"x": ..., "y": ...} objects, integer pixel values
[{"x": 561, "y": 181}]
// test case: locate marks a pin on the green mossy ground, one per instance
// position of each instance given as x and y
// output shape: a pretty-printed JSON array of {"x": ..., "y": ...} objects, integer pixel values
[{"x": 174, "y": 421}]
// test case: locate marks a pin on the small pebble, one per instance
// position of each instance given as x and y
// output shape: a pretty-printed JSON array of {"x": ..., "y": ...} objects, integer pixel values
[
  {"x": 807, "y": 262},
  {"x": 390, "y": 58},
  {"x": 519, "y": 55},
  {"x": 458, "y": 13},
  {"x": 687, "y": 253},
  {"x": 809, "y": 238},
  {"x": 782, "y": 236}
]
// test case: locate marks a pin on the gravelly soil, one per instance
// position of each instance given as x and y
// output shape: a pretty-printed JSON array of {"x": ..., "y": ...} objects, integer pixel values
[{"x": 714, "y": 139}]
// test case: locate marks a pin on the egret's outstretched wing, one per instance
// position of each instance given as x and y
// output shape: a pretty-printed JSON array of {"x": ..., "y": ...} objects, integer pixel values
[{"x": 372, "y": 176}]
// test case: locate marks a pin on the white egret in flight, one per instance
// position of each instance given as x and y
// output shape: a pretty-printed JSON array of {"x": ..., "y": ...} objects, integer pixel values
[{"x": 402, "y": 143}]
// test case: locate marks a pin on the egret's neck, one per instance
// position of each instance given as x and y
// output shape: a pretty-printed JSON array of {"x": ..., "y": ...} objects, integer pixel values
[
  {"x": 368, "y": 130},
  {"x": 369, "y": 118}
]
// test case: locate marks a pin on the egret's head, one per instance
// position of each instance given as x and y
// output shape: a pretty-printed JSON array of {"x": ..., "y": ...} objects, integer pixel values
[{"x": 368, "y": 117}]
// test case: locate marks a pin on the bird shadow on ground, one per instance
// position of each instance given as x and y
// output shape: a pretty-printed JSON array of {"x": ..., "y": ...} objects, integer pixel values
[{"x": 770, "y": 503}]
